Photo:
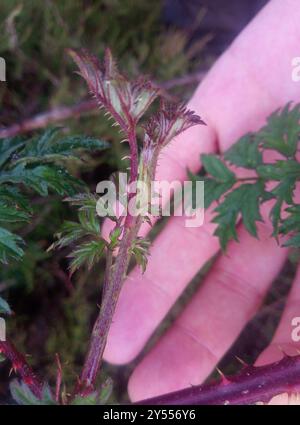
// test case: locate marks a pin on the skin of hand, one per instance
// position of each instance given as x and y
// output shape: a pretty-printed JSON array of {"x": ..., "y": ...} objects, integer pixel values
[{"x": 248, "y": 82}]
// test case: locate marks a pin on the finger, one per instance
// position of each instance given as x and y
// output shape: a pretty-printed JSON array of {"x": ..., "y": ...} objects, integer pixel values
[
  {"x": 229, "y": 297},
  {"x": 176, "y": 255},
  {"x": 213, "y": 96},
  {"x": 286, "y": 338}
]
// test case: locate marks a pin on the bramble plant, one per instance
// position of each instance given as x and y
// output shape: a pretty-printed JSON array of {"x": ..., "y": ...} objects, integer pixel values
[{"x": 38, "y": 164}]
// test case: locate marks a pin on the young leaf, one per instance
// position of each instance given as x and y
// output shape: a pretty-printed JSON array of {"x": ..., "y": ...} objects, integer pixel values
[
  {"x": 169, "y": 122},
  {"x": 140, "y": 250},
  {"x": 125, "y": 101}
]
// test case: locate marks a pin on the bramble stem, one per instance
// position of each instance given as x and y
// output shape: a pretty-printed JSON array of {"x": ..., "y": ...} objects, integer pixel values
[
  {"x": 252, "y": 385},
  {"x": 21, "y": 367},
  {"x": 114, "y": 277}
]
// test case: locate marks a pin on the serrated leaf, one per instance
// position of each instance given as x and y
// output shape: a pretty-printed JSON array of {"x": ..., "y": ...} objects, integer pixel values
[
  {"x": 281, "y": 133},
  {"x": 292, "y": 222},
  {"x": 49, "y": 148},
  {"x": 114, "y": 237},
  {"x": 217, "y": 169},
  {"x": 12, "y": 196},
  {"x": 243, "y": 201},
  {"x": 279, "y": 170},
  {"x": 22, "y": 394},
  {"x": 88, "y": 253},
  {"x": 140, "y": 250},
  {"x": 8, "y": 147},
  {"x": 85, "y": 201},
  {"x": 213, "y": 189},
  {"x": 293, "y": 242},
  {"x": 10, "y": 246},
  {"x": 106, "y": 391},
  {"x": 4, "y": 307},
  {"x": 69, "y": 232},
  {"x": 12, "y": 215},
  {"x": 42, "y": 178},
  {"x": 90, "y": 399},
  {"x": 245, "y": 152},
  {"x": 283, "y": 192}
]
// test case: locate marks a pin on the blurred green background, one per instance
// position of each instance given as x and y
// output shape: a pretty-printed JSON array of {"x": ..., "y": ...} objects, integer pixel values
[{"x": 53, "y": 314}]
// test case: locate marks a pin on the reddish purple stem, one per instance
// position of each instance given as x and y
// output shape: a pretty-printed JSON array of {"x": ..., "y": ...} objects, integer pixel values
[
  {"x": 252, "y": 385},
  {"x": 21, "y": 367}
]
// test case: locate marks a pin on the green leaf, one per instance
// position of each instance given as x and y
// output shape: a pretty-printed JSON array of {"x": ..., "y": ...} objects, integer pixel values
[
  {"x": 90, "y": 399},
  {"x": 4, "y": 307},
  {"x": 49, "y": 148},
  {"x": 22, "y": 394},
  {"x": 12, "y": 215},
  {"x": 140, "y": 250},
  {"x": 106, "y": 391},
  {"x": 279, "y": 170},
  {"x": 8, "y": 147},
  {"x": 86, "y": 201},
  {"x": 281, "y": 132},
  {"x": 42, "y": 178},
  {"x": 88, "y": 253},
  {"x": 70, "y": 232},
  {"x": 9, "y": 246},
  {"x": 293, "y": 242},
  {"x": 243, "y": 201},
  {"x": 292, "y": 222},
  {"x": 214, "y": 190},
  {"x": 12, "y": 196},
  {"x": 283, "y": 192},
  {"x": 114, "y": 237},
  {"x": 245, "y": 152},
  {"x": 216, "y": 168}
]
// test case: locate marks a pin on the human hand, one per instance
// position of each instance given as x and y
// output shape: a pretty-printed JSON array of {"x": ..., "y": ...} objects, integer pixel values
[{"x": 247, "y": 83}]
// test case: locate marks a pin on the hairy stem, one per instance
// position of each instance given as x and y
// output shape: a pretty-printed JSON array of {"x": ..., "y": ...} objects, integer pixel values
[
  {"x": 21, "y": 367},
  {"x": 114, "y": 277},
  {"x": 252, "y": 385},
  {"x": 104, "y": 319}
]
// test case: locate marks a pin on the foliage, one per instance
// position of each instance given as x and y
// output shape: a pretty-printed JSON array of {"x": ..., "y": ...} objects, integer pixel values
[
  {"x": 38, "y": 165},
  {"x": 241, "y": 198}
]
